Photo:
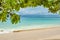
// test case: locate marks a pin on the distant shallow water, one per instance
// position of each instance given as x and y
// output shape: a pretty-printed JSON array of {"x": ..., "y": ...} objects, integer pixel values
[{"x": 30, "y": 23}]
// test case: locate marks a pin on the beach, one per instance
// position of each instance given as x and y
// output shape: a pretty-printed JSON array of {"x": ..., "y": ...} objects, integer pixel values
[
  {"x": 52, "y": 33},
  {"x": 29, "y": 20}
]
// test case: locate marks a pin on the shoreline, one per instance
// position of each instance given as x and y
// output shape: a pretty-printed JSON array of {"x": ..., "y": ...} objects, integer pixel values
[{"x": 33, "y": 29}]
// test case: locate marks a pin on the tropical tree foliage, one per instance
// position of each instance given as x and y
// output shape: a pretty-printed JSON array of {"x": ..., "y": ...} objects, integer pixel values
[{"x": 7, "y": 7}]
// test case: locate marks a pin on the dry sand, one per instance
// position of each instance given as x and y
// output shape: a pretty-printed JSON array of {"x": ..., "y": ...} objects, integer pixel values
[{"x": 36, "y": 34}]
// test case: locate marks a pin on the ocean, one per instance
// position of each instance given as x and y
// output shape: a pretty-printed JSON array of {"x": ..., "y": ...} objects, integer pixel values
[{"x": 31, "y": 22}]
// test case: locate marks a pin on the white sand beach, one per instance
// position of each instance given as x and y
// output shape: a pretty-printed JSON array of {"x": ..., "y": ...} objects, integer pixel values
[{"x": 35, "y": 34}]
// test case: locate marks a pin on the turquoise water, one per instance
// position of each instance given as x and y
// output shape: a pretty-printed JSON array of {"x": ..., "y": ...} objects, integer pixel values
[{"x": 31, "y": 22}]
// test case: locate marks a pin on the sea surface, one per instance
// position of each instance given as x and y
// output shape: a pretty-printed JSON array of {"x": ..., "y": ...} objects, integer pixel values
[{"x": 31, "y": 22}]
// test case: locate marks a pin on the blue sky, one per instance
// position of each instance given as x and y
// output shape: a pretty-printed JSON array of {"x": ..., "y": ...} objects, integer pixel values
[{"x": 39, "y": 10}]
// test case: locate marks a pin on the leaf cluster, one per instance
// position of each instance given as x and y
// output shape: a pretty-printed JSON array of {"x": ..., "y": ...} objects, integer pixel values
[{"x": 7, "y": 7}]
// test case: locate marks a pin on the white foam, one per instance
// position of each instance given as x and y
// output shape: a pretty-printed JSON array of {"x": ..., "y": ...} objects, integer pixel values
[{"x": 3, "y": 32}]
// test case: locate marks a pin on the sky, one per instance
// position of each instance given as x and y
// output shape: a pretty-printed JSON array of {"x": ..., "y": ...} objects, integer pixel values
[{"x": 39, "y": 10}]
